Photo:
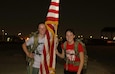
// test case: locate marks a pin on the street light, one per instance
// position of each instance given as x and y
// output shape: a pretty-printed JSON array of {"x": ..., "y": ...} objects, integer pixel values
[
  {"x": 3, "y": 34},
  {"x": 3, "y": 31},
  {"x": 6, "y": 33},
  {"x": 19, "y": 34},
  {"x": 90, "y": 36}
]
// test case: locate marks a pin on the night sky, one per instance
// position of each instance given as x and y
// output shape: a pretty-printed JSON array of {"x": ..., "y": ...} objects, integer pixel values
[{"x": 86, "y": 17}]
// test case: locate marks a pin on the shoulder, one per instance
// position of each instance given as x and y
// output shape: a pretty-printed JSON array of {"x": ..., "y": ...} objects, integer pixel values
[
  {"x": 30, "y": 39},
  {"x": 80, "y": 45},
  {"x": 63, "y": 45},
  {"x": 80, "y": 42}
]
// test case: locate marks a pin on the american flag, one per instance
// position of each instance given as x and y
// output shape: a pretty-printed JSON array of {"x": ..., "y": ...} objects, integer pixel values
[{"x": 49, "y": 56}]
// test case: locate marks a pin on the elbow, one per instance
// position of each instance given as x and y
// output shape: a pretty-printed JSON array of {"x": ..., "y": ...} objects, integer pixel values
[
  {"x": 62, "y": 56},
  {"x": 23, "y": 45}
]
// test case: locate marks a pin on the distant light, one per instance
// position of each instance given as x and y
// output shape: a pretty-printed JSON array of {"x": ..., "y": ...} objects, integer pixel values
[
  {"x": 2, "y": 30},
  {"x": 61, "y": 37},
  {"x": 90, "y": 36},
  {"x": 19, "y": 34},
  {"x": 109, "y": 41},
  {"x": 8, "y": 39},
  {"x": 102, "y": 37},
  {"x": 79, "y": 36},
  {"x": 105, "y": 37},
  {"x": 6, "y": 33},
  {"x": 22, "y": 38},
  {"x": 113, "y": 38}
]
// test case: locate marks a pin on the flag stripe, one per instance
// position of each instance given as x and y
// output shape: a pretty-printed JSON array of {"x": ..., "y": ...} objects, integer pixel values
[
  {"x": 41, "y": 69},
  {"x": 50, "y": 14},
  {"x": 53, "y": 11},
  {"x": 55, "y": 4},
  {"x": 45, "y": 62},
  {"x": 57, "y": 1},
  {"x": 51, "y": 52},
  {"x": 48, "y": 37},
  {"x": 54, "y": 7},
  {"x": 52, "y": 19}
]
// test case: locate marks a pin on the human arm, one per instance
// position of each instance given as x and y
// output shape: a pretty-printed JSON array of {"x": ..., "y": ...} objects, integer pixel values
[
  {"x": 24, "y": 47},
  {"x": 81, "y": 56},
  {"x": 59, "y": 46},
  {"x": 61, "y": 55}
]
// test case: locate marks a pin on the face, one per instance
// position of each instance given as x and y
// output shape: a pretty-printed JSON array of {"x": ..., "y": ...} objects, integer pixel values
[
  {"x": 70, "y": 36},
  {"x": 42, "y": 29}
]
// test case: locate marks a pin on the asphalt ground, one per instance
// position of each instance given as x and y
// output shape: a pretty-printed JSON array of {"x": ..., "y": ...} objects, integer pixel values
[
  {"x": 102, "y": 61},
  {"x": 16, "y": 65}
]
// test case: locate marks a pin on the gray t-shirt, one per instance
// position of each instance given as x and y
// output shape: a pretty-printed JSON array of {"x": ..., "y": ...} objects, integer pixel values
[{"x": 37, "y": 57}]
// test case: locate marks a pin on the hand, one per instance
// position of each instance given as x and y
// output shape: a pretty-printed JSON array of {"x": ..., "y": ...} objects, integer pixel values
[
  {"x": 30, "y": 55},
  {"x": 56, "y": 51},
  {"x": 78, "y": 72}
]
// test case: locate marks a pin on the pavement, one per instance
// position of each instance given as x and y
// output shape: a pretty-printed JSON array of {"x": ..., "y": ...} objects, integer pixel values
[
  {"x": 16, "y": 65},
  {"x": 93, "y": 67}
]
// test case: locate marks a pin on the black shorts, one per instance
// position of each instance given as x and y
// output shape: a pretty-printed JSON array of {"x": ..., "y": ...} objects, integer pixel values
[{"x": 69, "y": 72}]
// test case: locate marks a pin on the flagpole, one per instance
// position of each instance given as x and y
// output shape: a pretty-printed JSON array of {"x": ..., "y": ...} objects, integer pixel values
[{"x": 49, "y": 57}]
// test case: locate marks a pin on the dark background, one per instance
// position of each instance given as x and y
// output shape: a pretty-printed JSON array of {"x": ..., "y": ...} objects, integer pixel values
[{"x": 86, "y": 17}]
